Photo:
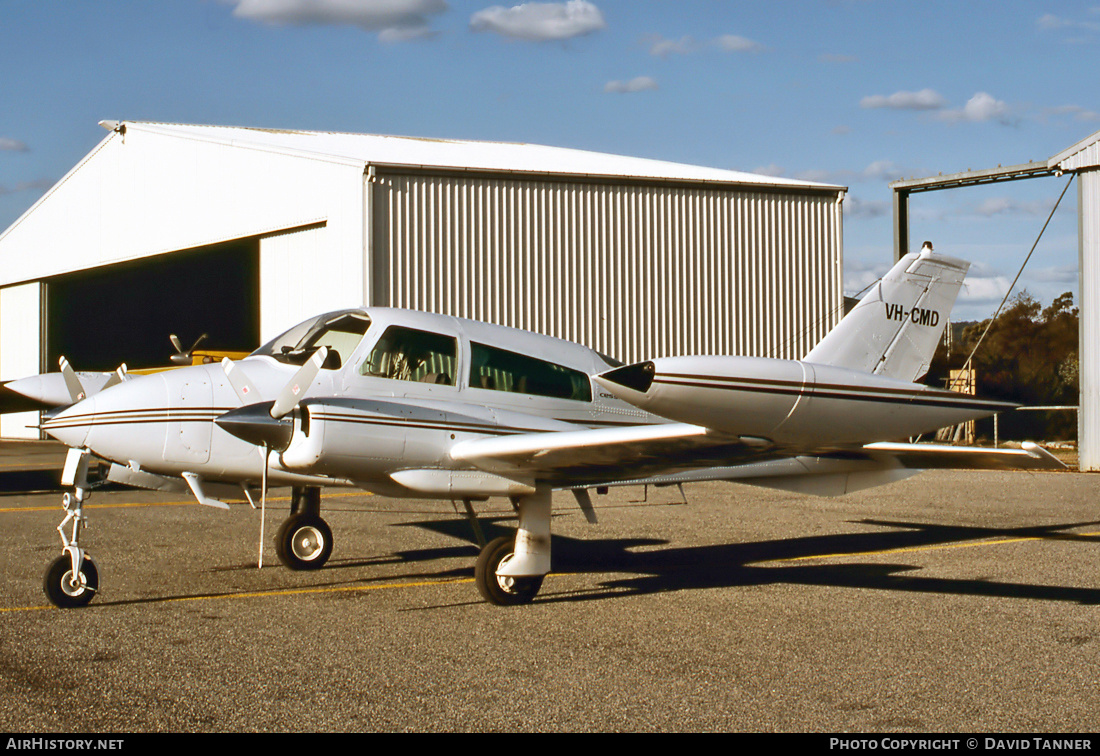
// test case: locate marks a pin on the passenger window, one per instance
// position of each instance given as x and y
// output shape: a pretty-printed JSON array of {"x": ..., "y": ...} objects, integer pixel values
[
  {"x": 406, "y": 354},
  {"x": 500, "y": 370}
]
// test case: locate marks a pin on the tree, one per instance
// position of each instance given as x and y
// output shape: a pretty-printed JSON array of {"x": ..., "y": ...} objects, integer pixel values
[{"x": 1029, "y": 356}]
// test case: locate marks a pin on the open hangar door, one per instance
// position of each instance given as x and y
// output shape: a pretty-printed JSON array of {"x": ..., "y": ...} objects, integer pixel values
[{"x": 125, "y": 312}]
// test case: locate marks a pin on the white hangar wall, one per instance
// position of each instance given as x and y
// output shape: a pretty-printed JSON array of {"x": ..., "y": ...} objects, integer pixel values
[
  {"x": 145, "y": 191},
  {"x": 633, "y": 270}
]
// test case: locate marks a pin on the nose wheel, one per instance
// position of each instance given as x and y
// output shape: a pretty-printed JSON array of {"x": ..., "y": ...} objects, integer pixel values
[
  {"x": 66, "y": 590},
  {"x": 72, "y": 579}
]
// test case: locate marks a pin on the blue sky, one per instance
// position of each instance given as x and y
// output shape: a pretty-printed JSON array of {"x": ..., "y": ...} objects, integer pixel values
[{"x": 855, "y": 92}]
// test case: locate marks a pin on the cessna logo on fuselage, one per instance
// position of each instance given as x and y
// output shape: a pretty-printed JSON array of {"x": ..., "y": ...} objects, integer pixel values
[{"x": 918, "y": 315}]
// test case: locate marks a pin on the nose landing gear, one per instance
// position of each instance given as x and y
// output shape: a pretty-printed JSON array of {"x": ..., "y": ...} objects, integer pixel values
[{"x": 72, "y": 579}]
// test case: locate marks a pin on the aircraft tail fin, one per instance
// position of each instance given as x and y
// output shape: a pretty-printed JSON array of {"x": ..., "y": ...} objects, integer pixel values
[{"x": 895, "y": 328}]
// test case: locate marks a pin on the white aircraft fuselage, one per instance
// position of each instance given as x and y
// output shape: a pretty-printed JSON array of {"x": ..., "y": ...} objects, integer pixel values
[{"x": 395, "y": 436}]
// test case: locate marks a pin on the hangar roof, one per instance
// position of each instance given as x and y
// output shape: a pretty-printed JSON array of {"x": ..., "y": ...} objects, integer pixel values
[
  {"x": 455, "y": 154},
  {"x": 1083, "y": 155}
]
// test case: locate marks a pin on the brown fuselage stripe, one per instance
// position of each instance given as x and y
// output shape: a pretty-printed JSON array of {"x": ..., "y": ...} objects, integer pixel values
[{"x": 832, "y": 391}]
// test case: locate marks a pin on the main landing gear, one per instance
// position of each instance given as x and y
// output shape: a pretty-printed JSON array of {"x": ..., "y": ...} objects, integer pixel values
[
  {"x": 510, "y": 571},
  {"x": 304, "y": 542},
  {"x": 72, "y": 579}
]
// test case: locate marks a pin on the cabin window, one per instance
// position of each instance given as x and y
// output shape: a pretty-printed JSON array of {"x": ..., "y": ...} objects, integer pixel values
[
  {"x": 500, "y": 370},
  {"x": 341, "y": 332},
  {"x": 406, "y": 354}
]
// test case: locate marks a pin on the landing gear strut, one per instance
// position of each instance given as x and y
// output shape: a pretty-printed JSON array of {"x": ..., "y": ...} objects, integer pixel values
[
  {"x": 72, "y": 579},
  {"x": 510, "y": 571},
  {"x": 304, "y": 542},
  {"x": 500, "y": 589}
]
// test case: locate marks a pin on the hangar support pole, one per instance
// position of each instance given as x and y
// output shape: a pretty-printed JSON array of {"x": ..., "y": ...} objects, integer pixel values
[
  {"x": 1088, "y": 234},
  {"x": 901, "y": 223}
]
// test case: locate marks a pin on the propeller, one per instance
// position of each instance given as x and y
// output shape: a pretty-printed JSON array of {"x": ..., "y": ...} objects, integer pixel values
[
  {"x": 182, "y": 357},
  {"x": 75, "y": 386},
  {"x": 72, "y": 381},
  {"x": 266, "y": 424}
]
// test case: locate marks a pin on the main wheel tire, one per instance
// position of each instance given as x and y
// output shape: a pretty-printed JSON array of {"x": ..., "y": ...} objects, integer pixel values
[
  {"x": 497, "y": 589},
  {"x": 62, "y": 590},
  {"x": 304, "y": 542}
]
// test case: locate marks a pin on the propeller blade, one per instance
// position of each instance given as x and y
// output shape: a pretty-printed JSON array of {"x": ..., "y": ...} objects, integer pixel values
[
  {"x": 176, "y": 342},
  {"x": 72, "y": 382},
  {"x": 290, "y": 395},
  {"x": 116, "y": 378},
  {"x": 246, "y": 392}
]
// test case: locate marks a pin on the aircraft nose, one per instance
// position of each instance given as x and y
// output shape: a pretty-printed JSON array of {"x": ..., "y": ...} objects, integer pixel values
[
  {"x": 47, "y": 390},
  {"x": 71, "y": 425}
]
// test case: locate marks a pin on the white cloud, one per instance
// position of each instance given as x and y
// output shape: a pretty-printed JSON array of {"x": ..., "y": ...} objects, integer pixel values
[
  {"x": 883, "y": 170},
  {"x": 1076, "y": 111},
  {"x": 822, "y": 177},
  {"x": 664, "y": 47},
  {"x": 1051, "y": 22},
  {"x": 395, "y": 19},
  {"x": 1063, "y": 274},
  {"x": 772, "y": 169},
  {"x": 539, "y": 22},
  {"x": 12, "y": 145},
  {"x": 1009, "y": 206},
  {"x": 857, "y": 208},
  {"x": 26, "y": 186},
  {"x": 687, "y": 45},
  {"x": 637, "y": 84},
  {"x": 734, "y": 43},
  {"x": 981, "y": 107},
  {"x": 860, "y": 274},
  {"x": 979, "y": 289},
  {"x": 925, "y": 99}
]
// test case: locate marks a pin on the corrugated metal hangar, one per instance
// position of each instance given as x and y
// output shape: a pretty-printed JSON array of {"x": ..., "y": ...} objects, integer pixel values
[{"x": 241, "y": 233}]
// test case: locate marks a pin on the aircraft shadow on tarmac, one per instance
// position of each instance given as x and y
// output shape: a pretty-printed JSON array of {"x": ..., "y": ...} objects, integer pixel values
[
  {"x": 762, "y": 563},
  {"x": 657, "y": 570}
]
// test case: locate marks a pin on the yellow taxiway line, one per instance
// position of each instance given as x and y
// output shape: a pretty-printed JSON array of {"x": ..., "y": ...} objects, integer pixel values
[
  {"x": 181, "y": 502},
  {"x": 915, "y": 549},
  {"x": 270, "y": 594}
]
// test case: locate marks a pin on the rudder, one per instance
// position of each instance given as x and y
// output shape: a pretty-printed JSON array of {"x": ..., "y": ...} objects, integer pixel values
[{"x": 895, "y": 328}]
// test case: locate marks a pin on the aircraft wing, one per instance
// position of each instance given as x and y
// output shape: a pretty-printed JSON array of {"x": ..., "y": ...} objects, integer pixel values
[
  {"x": 680, "y": 453},
  {"x": 944, "y": 456},
  {"x": 597, "y": 455}
]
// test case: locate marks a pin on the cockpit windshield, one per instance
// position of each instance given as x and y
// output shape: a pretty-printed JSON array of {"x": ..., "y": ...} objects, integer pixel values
[{"x": 341, "y": 332}]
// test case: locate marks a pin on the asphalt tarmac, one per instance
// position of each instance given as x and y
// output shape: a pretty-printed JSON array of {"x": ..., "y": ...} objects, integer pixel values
[{"x": 950, "y": 602}]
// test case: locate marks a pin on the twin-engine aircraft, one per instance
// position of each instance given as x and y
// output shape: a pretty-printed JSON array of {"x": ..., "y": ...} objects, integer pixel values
[{"x": 411, "y": 404}]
